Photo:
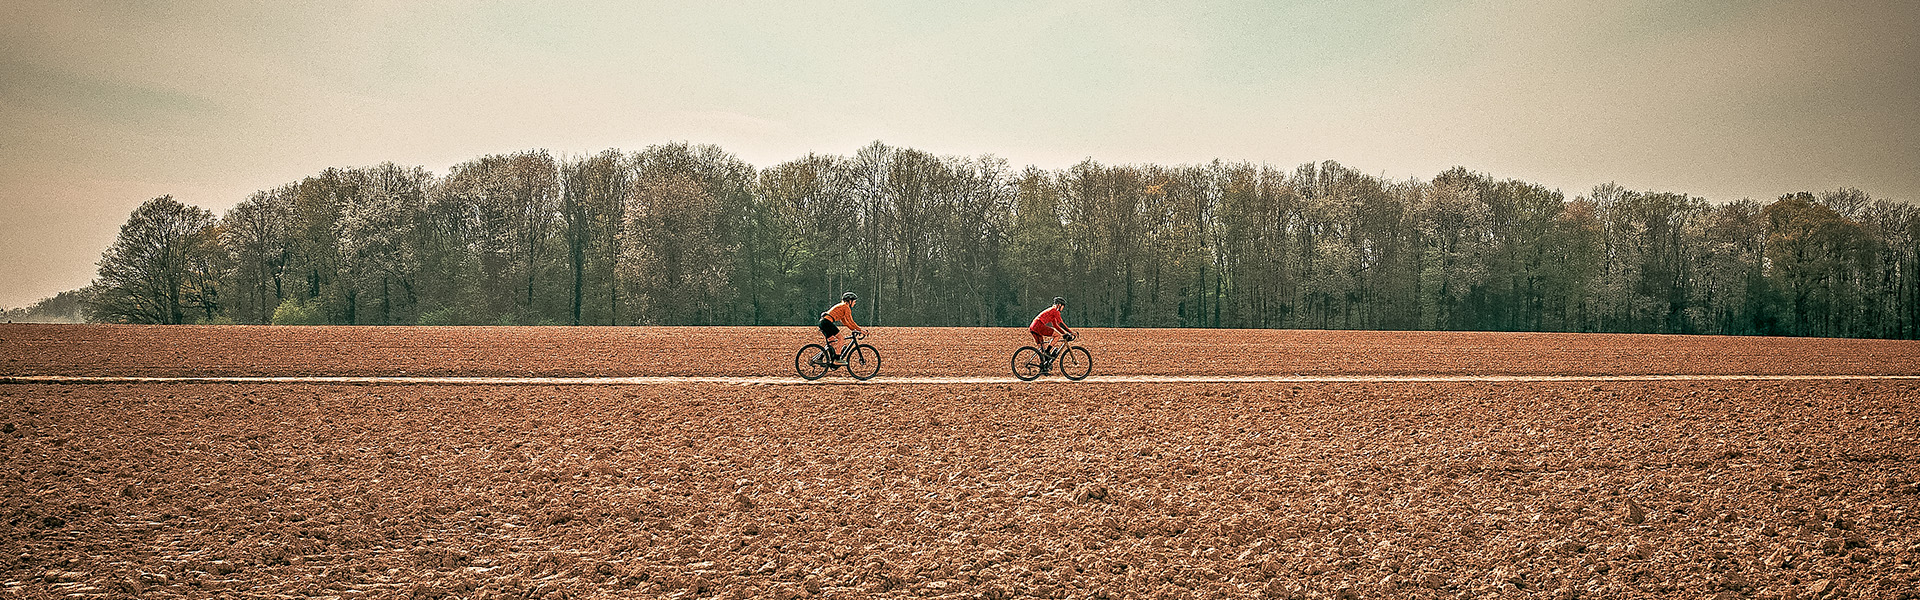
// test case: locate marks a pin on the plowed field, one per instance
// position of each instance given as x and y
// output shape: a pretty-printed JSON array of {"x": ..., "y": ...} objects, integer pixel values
[{"x": 995, "y": 489}]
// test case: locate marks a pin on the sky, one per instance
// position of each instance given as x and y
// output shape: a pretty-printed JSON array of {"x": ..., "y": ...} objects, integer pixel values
[{"x": 107, "y": 104}]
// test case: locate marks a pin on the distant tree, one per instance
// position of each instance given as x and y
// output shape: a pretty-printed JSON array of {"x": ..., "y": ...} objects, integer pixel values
[
  {"x": 940, "y": 227},
  {"x": 1908, "y": 292},
  {"x": 163, "y": 268},
  {"x": 65, "y": 307},
  {"x": 1900, "y": 224},
  {"x": 1889, "y": 281},
  {"x": 448, "y": 241},
  {"x": 593, "y": 190},
  {"x": 1387, "y": 242},
  {"x": 1730, "y": 295},
  {"x": 314, "y": 261},
  {"x": 1850, "y": 203},
  {"x": 1650, "y": 267},
  {"x": 1258, "y": 213},
  {"x": 1815, "y": 255},
  {"x": 1106, "y": 240},
  {"x": 493, "y": 223},
  {"x": 1455, "y": 224},
  {"x": 1177, "y": 212},
  {"x": 968, "y": 270},
  {"x": 343, "y": 243},
  {"x": 866, "y": 175},
  {"x": 530, "y": 208},
  {"x": 379, "y": 260},
  {"x": 1573, "y": 267},
  {"x": 689, "y": 234},
  {"x": 810, "y": 202},
  {"x": 257, "y": 234},
  {"x": 685, "y": 219}
]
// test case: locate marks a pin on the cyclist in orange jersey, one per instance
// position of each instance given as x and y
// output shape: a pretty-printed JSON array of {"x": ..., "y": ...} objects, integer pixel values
[{"x": 830, "y": 322}]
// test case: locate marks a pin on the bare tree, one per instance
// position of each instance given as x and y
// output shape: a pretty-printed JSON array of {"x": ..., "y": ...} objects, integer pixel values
[
  {"x": 257, "y": 233},
  {"x": 593, "y": 192},
  {"x": 164, "y": 267},
  {"x": 685, "y": 220}
]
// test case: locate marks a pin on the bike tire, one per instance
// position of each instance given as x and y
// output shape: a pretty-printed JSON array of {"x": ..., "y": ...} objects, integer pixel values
[
  {"x": 1076, "y": 363},
  {"x": 865, "y": 362},
  {"x": 1026, "y": 363},
  {"x": 810, "y": 362}
]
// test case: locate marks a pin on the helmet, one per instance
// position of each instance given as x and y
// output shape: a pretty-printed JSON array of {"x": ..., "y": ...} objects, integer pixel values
[
  {"x": 1058, "y": 301},
  {"x": 848, "y": 297}
]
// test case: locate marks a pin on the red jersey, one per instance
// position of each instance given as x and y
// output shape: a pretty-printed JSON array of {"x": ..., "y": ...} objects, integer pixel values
[{"x": 1048, "y": 319}]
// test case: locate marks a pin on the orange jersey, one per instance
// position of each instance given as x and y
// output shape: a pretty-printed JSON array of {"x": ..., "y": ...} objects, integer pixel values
[{"x": 842, "y": 313}]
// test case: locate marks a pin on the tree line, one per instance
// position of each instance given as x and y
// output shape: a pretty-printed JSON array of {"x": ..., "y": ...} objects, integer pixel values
[{"x": 680, "y": 234}]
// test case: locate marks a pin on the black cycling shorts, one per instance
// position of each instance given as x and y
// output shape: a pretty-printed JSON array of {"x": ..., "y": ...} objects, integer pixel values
[{"x": 828, "y": 329}]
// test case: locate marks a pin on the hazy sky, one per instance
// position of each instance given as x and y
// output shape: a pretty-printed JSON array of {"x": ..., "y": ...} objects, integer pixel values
[{"x": 104, "y": 105}]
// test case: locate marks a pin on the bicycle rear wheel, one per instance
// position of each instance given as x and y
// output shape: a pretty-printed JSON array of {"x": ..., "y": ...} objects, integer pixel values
[
  {"x": 1077, "y": 363},
  {"x": 1026, "y": 363},
  {"x": 865, "y": 362},
  {"x": 811, "y": 362}
]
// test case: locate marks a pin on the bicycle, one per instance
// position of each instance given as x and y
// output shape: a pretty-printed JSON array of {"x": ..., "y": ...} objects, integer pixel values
[
  {"x": 1029, "y": 363},
  {"x": 861, "y": 360}
]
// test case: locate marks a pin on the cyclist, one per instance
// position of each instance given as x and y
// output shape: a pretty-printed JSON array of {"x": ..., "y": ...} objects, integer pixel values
[
  {"x": 1046, "y": 326},
  {"x": 830, "y": 322}
]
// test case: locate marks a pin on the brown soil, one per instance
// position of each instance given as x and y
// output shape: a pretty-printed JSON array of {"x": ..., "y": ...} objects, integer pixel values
[
  {"x": 1774, "y": 489},
  {"x": 906, "y": 351}
]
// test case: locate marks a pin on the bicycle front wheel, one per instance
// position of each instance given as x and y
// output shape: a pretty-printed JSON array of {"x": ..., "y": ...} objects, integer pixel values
[
  {"x": 811, "y": 362},
  {"x": 1077, "y": 363},
  {"x": 865, "y": 362},
  {"x": 1026, "y": 363}
]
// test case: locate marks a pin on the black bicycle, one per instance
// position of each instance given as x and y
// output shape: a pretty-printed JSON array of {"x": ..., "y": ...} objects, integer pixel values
[
  {"x": 1029, "y": 363},
  {"x": 861, "y": 360}
]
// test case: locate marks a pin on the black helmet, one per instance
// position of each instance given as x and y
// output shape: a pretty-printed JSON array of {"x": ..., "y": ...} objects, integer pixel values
[
  {"x": 1058, "y": 301},
  {"x": 848, "y": 297}
]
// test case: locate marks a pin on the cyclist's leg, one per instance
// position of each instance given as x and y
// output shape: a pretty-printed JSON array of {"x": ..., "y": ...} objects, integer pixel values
[
  {"x": 1042, "y": 337},
  {"x": 832, "y": 333}
]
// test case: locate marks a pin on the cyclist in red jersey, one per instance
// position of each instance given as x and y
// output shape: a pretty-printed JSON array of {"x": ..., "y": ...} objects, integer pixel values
[{"x": 1046, "y": 326}]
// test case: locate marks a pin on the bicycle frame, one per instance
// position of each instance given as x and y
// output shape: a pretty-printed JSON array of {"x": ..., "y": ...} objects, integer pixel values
[
  {"x": 846, "y": 350},
  {"x": 1062, "y": 343}
]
